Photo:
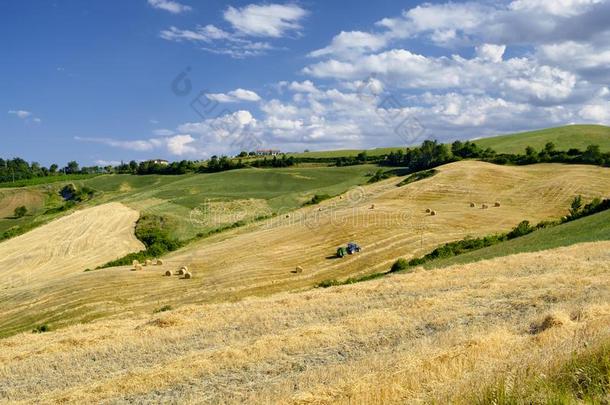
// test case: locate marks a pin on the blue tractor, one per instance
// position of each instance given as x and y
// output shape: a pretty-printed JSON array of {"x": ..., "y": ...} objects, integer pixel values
[{"x": 350, "y": 250}]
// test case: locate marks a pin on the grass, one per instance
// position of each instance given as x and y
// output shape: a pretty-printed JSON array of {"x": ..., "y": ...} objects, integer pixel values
[
  {"x": 583, "y": 378},
  {"x": 426, "y": 337},
  {"x": 589, "y": 229},
  {"x": 47, "y": 180},
  {"x": 564, "y": 138},
  {"x": 200, "y": 203}
]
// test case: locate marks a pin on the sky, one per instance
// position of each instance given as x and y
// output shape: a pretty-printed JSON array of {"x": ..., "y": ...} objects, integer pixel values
[{"x": 107, "y": 81}]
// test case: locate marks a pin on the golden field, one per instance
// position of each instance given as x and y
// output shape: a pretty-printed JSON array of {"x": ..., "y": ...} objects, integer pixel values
[
  {"x": 430, "y": 336},
  {"x": 259, "y": 259}
]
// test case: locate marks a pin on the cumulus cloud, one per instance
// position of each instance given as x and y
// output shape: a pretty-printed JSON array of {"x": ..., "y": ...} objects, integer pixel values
[
  {"x": 267, "y": 20},
  {"x": 234, "y": 96},
  {"x": 247, "y": 25},
  {"x": 495, "y": 67},
  {"x": 177, "y": 145},
  {"x": 169, "y": 5}
]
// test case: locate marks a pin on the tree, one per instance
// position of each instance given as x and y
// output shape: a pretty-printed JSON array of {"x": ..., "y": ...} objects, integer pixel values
[
  {"x": 53, "y": 168},
  {"x": 576, "y": 206},
  {"x": 133, "y": 166},
  {"x": 242, "y": 154},
  {"x": 20, "y": 211},
  {"x": 72, "y": 167}
]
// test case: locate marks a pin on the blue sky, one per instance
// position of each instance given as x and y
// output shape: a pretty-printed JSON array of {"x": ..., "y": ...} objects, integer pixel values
[{"x": 92, "y": 81}]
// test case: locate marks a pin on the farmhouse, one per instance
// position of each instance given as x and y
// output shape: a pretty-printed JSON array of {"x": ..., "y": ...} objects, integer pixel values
[{"x": 267, "y": 152}]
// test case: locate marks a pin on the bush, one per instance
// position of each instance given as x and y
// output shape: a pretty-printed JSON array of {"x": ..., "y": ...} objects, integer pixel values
[
  {"x": 523, "y": 228},
  {"x": 41, "y": 328},
  {"x": 417, "y": 176},
  {"x": 164, "y": 308},
  {"x": 20, "y": 211},
  {"x": 399, "y": 265},
  {"x": 316, "y": 199}
]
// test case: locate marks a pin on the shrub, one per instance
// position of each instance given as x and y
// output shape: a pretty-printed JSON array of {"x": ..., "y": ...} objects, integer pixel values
[
  {"x": 316, "y": 199},
  {"x": 417, "y": 176},
  {"x": 164, "y": 308},
  {"x": 399, "y": 265},
  {"x": 41, "y": 328},
  {"x": 20, "y": 211},
  {"x": 523, "y": 228}
]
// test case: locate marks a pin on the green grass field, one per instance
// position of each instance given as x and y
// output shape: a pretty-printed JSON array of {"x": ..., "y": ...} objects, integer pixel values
[
  {"x": 46, "y": 180},
  {"x": 226, "y": 197},
  {"x": 564, "y": 138},
  {"x": 589, "y": 229}
]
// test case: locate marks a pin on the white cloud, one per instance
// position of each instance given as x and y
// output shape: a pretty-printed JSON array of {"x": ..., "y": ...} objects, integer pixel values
[
  {"x": 23, "y": 114},
  {"x": 598, "y": 112},
  {"x": 268, "y": 20},
  {"x": 180, "y": 145},
  {"x": 169, "y": 5},
  {"x": 351, "y": 42},
  {"x": 234, "y": 96},
  {"x": 562, "y": 8},
  {"x": 490, "y": 52}
]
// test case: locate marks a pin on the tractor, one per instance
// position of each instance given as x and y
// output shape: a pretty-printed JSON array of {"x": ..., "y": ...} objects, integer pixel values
[{"x": 350, "y": 249}]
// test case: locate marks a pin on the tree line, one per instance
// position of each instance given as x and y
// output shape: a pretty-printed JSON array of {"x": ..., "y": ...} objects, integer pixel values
[{"x": 428, "y": 155}]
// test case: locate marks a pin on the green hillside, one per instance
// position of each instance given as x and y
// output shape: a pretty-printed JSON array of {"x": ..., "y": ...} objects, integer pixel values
[
  {"x": 564, "y": 138},
  {"x": 589, "y": 229}
]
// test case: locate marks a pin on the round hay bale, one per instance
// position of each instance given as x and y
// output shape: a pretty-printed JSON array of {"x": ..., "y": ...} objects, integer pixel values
[
  {"x": 169, "y": 273},
  {"x": 298, "y": 269},
  {"x": 159, "y": 262},
  {"x": 497, "y": 204},
  {"x": 137, "y": 267},
  {"x": 134, "y": 263},
  {"x": 372, "y": 206},
  {"x": 188, "y": 275},
  {"x": 432, "y": 212},
  {"x": 472, "y": 205},
  {"x": 183, "y": 270},
  {"x": 428, "y": 210},
  {"x": 484, "y": 206},
  {"x": 148, "y": 262}
]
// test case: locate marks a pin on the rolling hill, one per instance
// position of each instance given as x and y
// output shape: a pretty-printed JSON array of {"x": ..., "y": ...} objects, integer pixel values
[
  {"x": 439, "y": 336},
  {"x": 564, "y": 138},
  {"x": 259, "y": 259}
]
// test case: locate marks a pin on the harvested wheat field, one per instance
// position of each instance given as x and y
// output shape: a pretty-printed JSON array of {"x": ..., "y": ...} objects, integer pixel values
[
  {"x": 259, "y": 259},
  {"x": 13, "y": 198},
  {"x": 437, "y": 335},
  {"x": 69, "y": 245}
]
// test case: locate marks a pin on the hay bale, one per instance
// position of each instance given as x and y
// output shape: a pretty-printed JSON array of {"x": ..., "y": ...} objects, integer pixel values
[
  {"x": 497, "y": 204},
  {"x": 433, "y": 213},
  {"x": 159, "y": 262},
  {"x": 472, "y": 205},
  {"x": 484, "y": 206},
  {"x": 188, "y": 275},
  {"x": 134, "y": 263},
  {"x": 549, "y": 321},
  {"x": 137, "y": 267},
  {"x": 428, "y": 210},
  {"x": 372, "y": 206},
  {"x": 298, "y": 269},
  {"x": 183, "y": 270},
  {"x": 148, "y": 262},
  {"x": 169, "y": 273}
]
